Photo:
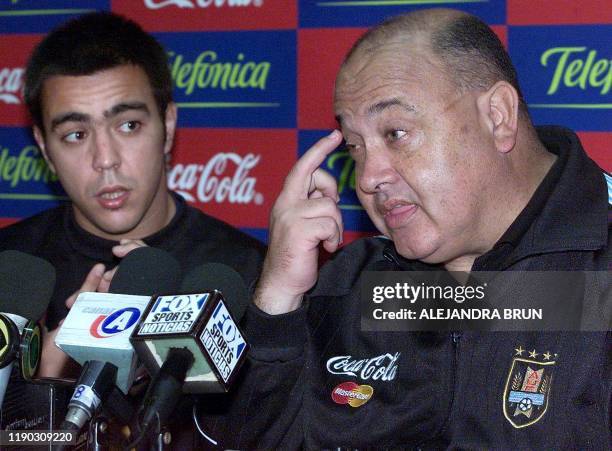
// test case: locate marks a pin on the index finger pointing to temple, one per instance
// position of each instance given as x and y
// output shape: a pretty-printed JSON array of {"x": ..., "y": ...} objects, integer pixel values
[{"x": 298, "y": 182}]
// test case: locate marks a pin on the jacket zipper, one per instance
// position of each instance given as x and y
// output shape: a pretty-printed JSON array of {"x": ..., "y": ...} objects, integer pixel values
[{"x": 456, "y": 336}]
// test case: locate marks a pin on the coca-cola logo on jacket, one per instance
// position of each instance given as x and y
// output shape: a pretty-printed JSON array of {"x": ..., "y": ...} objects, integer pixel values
[
  {"x": 234, "y": 175},
  {"x": 382, "y": 367}
]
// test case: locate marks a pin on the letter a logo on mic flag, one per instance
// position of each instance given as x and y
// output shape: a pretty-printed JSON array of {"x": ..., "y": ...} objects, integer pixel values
[{"x": 105, "y": 326}]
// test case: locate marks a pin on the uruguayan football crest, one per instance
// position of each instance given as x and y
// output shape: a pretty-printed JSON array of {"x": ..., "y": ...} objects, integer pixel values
[{"x": 527, "y": 390}]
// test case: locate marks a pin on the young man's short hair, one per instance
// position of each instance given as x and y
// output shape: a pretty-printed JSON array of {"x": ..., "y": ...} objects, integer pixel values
[{"x": 91, "y": 43}]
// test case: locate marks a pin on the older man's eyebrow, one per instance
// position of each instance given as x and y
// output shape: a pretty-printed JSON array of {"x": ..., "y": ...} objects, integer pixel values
[
  {"x": 127, "y": 106},
  {"x": 383, "y": 105},
  {"x": 71, "y": 116}
]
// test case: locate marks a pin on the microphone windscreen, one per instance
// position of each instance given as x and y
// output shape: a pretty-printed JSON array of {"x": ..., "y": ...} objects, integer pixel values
[
  {"x": 217, "y": 276},
  {"x": 26, "y": 284},
  {"x": 146, "y": 271}
]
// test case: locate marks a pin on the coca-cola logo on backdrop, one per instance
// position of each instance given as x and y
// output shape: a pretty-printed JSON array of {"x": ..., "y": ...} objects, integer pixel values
[
  {"x": 224, "y": 178},
  {"x": 234, "y": 175},
  {"x": 196, "y": 15},
  {"x": 11, "y": 84},
  {"x": 158, "y": 4},
  {"x": 14, "y": 50}
]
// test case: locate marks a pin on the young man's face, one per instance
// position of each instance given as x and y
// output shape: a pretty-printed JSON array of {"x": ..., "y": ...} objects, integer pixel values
[{"x": 104, "y": 138}]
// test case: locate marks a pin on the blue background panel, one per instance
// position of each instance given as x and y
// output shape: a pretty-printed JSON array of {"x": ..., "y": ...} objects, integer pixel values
[
  {"x": 565, "y": 73},
  {"x": 240, "y": 79},
  {"x": 23, "y": 173},
  {"x": 38, "y": 16}
]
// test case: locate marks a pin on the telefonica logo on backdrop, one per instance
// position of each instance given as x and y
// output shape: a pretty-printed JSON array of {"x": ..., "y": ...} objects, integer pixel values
[
  {"x": 241, "y": 79},
  {"x": 27, "y": 185},
  {"x": 19, "y": 169},
  {"x": 577, "y": 67},
  {"x": 208, "y": 71},
  {"x": 565, "y": 73}
]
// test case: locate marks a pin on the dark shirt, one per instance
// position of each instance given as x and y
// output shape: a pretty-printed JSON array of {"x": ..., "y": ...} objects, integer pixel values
[{"x": 192, "y": 237}]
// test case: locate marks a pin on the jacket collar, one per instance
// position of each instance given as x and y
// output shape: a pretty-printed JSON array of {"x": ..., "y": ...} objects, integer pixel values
[{"x": 575, "y": 216}]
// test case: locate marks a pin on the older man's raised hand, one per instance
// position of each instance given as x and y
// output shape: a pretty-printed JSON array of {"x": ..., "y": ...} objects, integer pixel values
[{"x": 304, "y": 215}]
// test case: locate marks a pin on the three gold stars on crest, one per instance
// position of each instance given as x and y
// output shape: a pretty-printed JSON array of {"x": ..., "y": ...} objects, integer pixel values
[{"x": 533, "y": 354}]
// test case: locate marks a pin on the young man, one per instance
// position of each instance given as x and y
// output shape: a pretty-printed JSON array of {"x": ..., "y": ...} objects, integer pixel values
[
  {"x": 100, "y": 94},
  {"x": 454, "y": 175}
]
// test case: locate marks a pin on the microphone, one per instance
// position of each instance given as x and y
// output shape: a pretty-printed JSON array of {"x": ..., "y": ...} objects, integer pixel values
[
  {"x": 94, "y": 385},
  {"x": 230, "y": 283},
  {"x": 98, "y": 325},
  {"x": 146, "y": 271},
  {"x": 165, "y": 389},
  {"x": 201, "y": 322},
  {"x": 26, "y": 286},
  {"x": 190, "y": 338}
]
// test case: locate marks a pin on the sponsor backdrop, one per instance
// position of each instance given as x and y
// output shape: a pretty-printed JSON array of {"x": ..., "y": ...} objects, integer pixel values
[{"x": 254, "y": 78}]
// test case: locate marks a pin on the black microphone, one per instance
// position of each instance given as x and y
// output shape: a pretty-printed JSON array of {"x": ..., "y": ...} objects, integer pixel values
[
  {"x": 146, "y": 271},
  {"x": 165, "y": 389},
  {"x": 26, "y": 286},
  {"x": 193, "y": 338},
  {"x": 224, "y": 279},
  {"x": 95, "y": 383}
]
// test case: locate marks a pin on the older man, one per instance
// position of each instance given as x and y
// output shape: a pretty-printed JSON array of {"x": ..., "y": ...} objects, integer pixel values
[{"x": 454, "y": 175}]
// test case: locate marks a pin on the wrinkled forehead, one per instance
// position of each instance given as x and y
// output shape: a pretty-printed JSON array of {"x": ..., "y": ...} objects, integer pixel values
[{"x": 398, "y": 69}]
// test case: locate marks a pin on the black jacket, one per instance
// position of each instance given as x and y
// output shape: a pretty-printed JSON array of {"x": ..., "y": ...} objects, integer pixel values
[{"x": 435, "y": 390}]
